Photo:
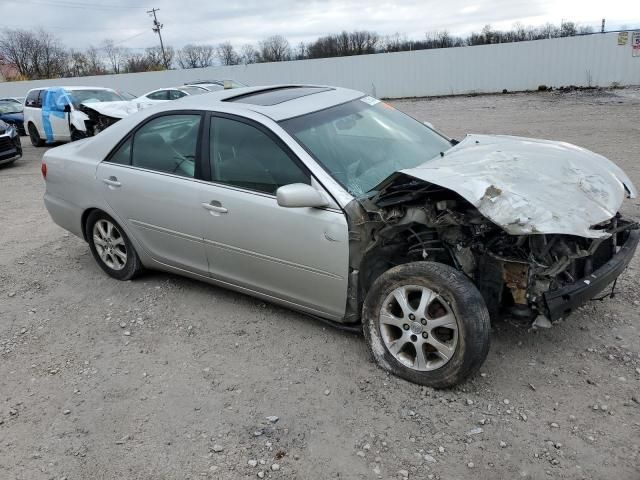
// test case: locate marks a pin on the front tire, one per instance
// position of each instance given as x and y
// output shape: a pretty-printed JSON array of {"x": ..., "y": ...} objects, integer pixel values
[
  {"x": 426, "y": 322},
  {"x": 110, "y": 246}
]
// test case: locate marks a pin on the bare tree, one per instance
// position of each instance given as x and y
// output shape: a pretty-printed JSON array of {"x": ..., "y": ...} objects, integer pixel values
[
  {"x": 393, "y": 43},
  {"x": 274, "y": 49},
  {"x": 587, "y": 29},
  {"x": 248, "y": 54},
  {"x": 17, "y": 48},
  {"x": 227, "y": 54},
  {"x": 81, "y": 64},
  {"x": 301, "y": 51},
  {"x": 154, "y": 57},
  {"x": 77, "y": 64},
  {"x": 35, "y": 54},
  {"x": 568, "y": 29},
  {"x": 195, "y": 56},
  {"x": 115, "y": 55}
]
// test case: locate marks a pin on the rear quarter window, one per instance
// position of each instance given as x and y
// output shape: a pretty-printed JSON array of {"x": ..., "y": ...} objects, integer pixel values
[{"x": 34, "y": 99}]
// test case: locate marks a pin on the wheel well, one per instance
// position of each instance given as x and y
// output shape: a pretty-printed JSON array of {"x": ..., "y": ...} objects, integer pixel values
[{"x": 83, "y": 221}]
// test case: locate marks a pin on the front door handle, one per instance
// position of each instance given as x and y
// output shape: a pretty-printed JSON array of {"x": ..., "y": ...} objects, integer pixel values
[
  {"x": 112, "y": 181},
  {"x": 215, "y": 207}
]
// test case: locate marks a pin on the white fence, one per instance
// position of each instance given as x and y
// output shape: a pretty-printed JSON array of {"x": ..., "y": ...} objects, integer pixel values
[{"x": 590, "y": 60}]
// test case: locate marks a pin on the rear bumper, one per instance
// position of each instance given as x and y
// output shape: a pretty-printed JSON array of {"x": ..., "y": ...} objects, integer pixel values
[
  {"x": 563, "y": 301},
  {"x": 65, "y": 214}
]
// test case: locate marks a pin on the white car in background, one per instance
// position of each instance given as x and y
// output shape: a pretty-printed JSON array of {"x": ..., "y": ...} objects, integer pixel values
[
  {"x": 167, "y": 94},
  {"x": 56, "y": 114},
  {"x": 216, "y": 85},
  {"x": 105, "y": 114}
]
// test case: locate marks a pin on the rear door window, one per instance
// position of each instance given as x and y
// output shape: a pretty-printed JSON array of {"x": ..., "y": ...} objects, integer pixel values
[
  {"x": 122, "y": 156},
  {"x": 176, "y": 94},
  {"x": 167, "y": 144}
]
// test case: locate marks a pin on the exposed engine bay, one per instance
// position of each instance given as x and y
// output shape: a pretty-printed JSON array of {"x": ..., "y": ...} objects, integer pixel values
[
  {"x": 97, "y": 121},
  {"x": 413, "y": 220}
]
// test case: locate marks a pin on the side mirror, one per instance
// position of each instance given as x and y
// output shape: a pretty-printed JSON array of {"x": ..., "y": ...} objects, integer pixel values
[
  {"x": 429, "y": 124},
  {"x": 67, "y": 108},
  {"x": 297, "y": 195}
]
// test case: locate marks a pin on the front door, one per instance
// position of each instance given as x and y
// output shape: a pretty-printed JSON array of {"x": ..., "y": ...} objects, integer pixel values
[
  {"x": 299, "y": 255},
  {"x": 149, "y": 183}
]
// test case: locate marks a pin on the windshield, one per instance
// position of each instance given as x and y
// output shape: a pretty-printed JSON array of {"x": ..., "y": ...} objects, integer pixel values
[
  {"x": 10, "y": 107},
  {"x": 232, "y": 84},
  {"x": 127, "y": 95},
  {"x": 91, "y": 96},
  {"x": 193, "y": 90},
  {"x": 362, "y": 142}
]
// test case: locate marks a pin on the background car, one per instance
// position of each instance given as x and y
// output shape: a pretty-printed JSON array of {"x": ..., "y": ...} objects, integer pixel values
[
  {"x": 336, "y": 204},
  {"x": 10, "y": 146},
  {"x": 215, "y": 85},
  {"x": 14, "y": 99},
  {"x": 54, "y": 114},
  {"x": 11, "y": 112},
  {"x": 166, "y": 94},
  {"x": 126, "y": 95}
]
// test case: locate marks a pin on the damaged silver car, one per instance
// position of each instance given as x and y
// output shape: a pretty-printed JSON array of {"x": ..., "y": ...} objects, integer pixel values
[{"x": 335, "y": 204}]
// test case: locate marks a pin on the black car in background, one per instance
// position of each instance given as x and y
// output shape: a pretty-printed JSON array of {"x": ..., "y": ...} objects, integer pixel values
[
  {"x": 11, "y": 113},
  {"x": 10, "y": 146}
]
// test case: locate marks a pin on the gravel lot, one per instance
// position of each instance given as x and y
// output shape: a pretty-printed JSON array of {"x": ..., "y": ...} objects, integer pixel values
[{"x": 169, "y": 378}]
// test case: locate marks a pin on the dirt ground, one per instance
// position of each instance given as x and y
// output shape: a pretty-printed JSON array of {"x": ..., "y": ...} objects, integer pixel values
[{"x": 169, "y": 378}]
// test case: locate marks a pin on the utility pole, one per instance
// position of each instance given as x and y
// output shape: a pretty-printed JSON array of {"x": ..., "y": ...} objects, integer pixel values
[
  {"x": 157, "y": 26},
  {"x": 602, "y": 29}
]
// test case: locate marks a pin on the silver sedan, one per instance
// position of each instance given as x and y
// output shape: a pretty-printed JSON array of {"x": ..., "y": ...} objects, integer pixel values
[{"x": 333, "y": 203}]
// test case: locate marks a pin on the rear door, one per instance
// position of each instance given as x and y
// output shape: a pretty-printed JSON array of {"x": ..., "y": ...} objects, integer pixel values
[
  {"x": 299, "y": 255},
  {"x": 33, "y": 111},
  {"x": 149, "y": 183}
]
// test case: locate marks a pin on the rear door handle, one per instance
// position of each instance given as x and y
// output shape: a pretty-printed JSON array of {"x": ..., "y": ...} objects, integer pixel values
[
  {"x": 215, "y": 207},
  {"x": 112, "y": 181}
]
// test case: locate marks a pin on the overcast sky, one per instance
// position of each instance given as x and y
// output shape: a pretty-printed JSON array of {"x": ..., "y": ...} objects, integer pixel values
[{"x": 79, "y": 24}]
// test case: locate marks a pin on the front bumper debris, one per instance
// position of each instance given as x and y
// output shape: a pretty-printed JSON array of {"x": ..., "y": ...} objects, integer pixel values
[{"x": 560, "y": 303}]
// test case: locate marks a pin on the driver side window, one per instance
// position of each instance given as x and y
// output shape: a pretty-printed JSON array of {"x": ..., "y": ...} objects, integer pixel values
[
  {"x": 243, "y": 156},
  {"x": 167, "y": 144}
]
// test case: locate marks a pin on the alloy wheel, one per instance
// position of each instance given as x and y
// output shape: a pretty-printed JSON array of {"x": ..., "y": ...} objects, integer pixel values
[
  {"x": 110, "y": 244},
  {"x": 419, "y": 327}
]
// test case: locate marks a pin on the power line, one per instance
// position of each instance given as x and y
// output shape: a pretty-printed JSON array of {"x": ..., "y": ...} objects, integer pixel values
[
  {"x": 125, "y": 40},
  {"x": 68, "y": 4},
  {"x": 157, "y": 26},
  {"x": 61, "y": 27}
]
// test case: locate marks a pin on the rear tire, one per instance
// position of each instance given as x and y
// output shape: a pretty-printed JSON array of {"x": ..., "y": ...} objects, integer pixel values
[
  {"x": 110, "y": 247},
  {"x": 36, "y": 141},
  {"x": 426, "y": 322}
]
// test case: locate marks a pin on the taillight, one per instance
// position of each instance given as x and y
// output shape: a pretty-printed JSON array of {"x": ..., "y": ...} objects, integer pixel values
[{"x": 43, "y": 169}]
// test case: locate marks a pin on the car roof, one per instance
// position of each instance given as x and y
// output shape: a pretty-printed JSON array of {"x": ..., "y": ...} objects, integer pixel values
[
  {"x": 211, "y": 82},
  {"x": 278, "y": 102},
  {"x": 73, "y": 87}
]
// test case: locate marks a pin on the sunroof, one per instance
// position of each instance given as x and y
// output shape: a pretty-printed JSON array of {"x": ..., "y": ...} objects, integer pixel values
[{"x": 276, "y": 95}]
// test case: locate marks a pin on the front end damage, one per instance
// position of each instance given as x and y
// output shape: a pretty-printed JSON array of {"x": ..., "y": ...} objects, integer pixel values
[
  {"x": 101, "y": 115},
  {"x": 537, "y": 277},
  {"x": 97, "y": 121}
]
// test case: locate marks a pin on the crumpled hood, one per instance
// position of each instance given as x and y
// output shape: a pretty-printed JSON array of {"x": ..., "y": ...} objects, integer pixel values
[
  {"x": 114, "y": 109},
  {"x": 529, "y": 186}
]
